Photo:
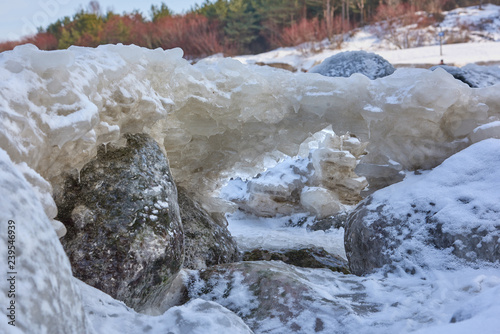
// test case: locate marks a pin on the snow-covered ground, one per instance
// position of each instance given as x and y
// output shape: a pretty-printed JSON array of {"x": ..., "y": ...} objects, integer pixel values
[{"x": 485, "y": 33}]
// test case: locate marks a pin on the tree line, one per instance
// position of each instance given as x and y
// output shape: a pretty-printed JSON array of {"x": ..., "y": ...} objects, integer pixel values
[{"x": 228, "y": 26}]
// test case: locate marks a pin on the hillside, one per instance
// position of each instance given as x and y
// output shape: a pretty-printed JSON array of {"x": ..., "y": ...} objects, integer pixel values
[{"x": 480, "y": 28}]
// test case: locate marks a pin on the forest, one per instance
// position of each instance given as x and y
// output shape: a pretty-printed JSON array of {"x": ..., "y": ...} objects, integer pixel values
[{"x": 233, "y": 27}]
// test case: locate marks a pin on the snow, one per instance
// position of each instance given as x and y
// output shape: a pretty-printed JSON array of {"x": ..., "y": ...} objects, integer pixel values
[
  {"x": 110, "y": 316},
  {"x": 485, "y": 31}
]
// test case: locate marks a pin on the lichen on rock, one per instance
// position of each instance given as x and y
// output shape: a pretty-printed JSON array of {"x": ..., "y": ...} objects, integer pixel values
[{"x": 124, "y": 230}]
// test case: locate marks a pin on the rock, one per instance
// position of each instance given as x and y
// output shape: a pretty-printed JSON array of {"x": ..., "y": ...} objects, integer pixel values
[
  {"x": 325, "y": 224},
  {"x": 207, "y": 242},
  {"x": 37, "y": 289},
  {"x": 445, "y": 218},
  {"x": 124, "y": 230},
  {"x": 314, "y": 257},
  {"x": 274, "y": 297},
  {"x": 476, "y": 76},
  {"x": 347, "y": 63}
]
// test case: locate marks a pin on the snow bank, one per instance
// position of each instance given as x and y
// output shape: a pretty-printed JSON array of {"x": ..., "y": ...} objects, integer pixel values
[
  {"x": 111, "y": 316},
  {"x": 37, "y": 288}
]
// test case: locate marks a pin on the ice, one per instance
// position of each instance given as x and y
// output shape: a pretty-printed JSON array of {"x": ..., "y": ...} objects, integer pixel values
[
  {"x": 45, "y": 296},
  {"x": 223, "y": 117},
  {"x": 277, "y": 233},
  {"x": 220, "y": 119}
]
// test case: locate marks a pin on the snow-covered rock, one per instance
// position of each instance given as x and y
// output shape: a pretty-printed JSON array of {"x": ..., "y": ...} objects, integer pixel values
[
  {"x": 111, "y": 316},
  {"x": 435, "y": 220},
  {"x": 273, "y": 297},
  {"x": 347, "y": 63},
  {"x": 474, "y": 75}
]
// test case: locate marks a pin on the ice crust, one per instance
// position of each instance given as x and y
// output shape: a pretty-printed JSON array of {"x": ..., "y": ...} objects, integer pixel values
[
  {"x": 221, "y": 118},
  {"x": 46, "y": 298}
]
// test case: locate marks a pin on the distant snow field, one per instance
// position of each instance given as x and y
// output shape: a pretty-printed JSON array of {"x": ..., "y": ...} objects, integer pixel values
[{"x": 485, "y": 32}]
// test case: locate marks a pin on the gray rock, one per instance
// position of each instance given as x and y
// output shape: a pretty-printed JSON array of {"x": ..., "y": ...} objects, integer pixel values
[
  {"x": 376, "y": 237},
  {"x": 347, "y": 63},
  {"x": 369, "y": 243},
  {"x": 124, "y": 230},
  {"x": 207, "y": 242},
  {"x": 328, "y": 223},
  {"x": 314, "y": 257}
]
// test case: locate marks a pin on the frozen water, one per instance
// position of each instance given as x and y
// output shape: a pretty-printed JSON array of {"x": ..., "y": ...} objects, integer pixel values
[
  {"x": 219, "y": 118},
  {"x": 37, "y": 281}
]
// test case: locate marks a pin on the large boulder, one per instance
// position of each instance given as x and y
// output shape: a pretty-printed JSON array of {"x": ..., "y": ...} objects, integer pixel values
[
  {"x": 38, "y": 292},
  {"x": 124, "y": 229},
  {"x": 207, "y": 240},
  {"x": 345, "y": 64},
  {"x": 444, "y": 218}
]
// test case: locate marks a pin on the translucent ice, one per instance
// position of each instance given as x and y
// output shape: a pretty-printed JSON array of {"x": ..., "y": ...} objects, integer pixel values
[{"x": 221, "y": 118}]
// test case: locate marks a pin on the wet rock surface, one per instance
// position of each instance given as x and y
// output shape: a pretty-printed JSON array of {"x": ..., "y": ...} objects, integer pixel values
[
  {"x": 315, "y": 257},
  {"x": 207, "y": 241},
  {"x": 124, "y": 230}
]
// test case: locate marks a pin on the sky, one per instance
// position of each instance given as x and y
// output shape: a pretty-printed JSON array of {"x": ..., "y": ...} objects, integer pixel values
[{"x": 22, "y": 17}]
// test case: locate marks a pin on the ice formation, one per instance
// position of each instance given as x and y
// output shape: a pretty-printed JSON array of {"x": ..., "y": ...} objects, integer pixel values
[
  {"x": 219, "y": 117},
  {"x": 322, "y": 184},
  {"x": 37, "y": 289}
]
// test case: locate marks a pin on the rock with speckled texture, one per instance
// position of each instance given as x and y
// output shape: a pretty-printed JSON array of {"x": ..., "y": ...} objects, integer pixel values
[
  {"x": 124, "y": 230},
  {"x": 207, "y": 241}
]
